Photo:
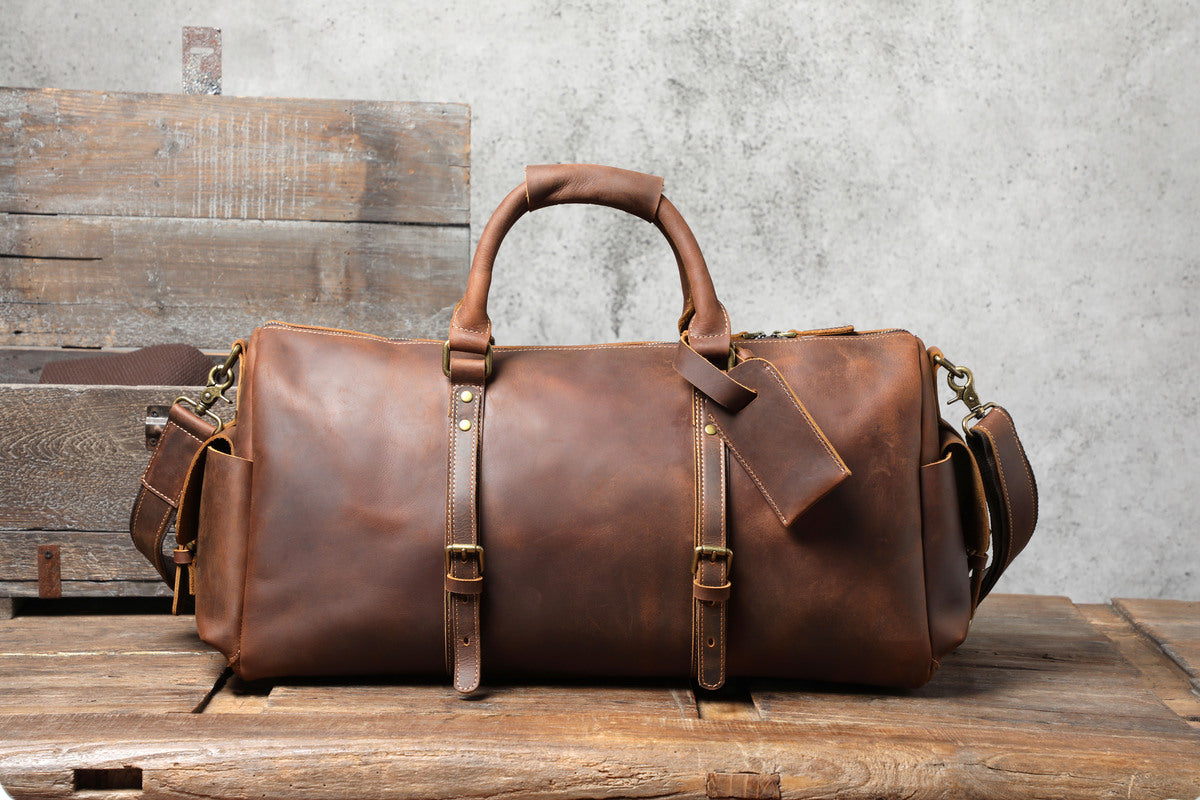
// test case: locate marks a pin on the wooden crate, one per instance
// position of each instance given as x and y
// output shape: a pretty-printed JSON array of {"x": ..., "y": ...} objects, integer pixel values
[
  {"x": 1045, "y": 699},
  {"x": 136, "y": 219}
]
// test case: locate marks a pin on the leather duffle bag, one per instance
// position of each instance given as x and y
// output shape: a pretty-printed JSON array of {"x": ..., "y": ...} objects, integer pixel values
[{"x": 788, "y": 505}]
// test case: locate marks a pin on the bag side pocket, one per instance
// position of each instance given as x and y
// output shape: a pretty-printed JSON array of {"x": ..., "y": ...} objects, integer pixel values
[
  {"x": 950, "y": 528},
  {"x": 222, "y": 527}
]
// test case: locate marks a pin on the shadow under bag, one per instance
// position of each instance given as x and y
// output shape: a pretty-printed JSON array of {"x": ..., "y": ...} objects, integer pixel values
[{"x": 788, "y": 506}]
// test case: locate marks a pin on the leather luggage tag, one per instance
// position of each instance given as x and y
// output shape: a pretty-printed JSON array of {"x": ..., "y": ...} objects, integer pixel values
[{"x": 778, "y": 443}]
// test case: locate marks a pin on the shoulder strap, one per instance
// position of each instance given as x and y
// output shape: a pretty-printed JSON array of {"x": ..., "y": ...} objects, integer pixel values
[
  {"x": 162, "y": 484},
  {"x": 1009, "y": 487}
]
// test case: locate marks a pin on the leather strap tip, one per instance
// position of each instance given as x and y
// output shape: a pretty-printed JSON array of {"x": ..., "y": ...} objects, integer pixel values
[
  {"x": 467, "y": 586},
  {"x": 711, "y": 594}
]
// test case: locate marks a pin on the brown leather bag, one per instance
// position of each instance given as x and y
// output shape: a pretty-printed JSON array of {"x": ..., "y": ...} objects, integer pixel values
[{"x": 786, "y": 506}]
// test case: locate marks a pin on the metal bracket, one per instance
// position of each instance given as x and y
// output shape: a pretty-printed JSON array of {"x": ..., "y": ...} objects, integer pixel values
[
  {"x": 49, "y": 570},
  {"x": 156, "y": 423}
]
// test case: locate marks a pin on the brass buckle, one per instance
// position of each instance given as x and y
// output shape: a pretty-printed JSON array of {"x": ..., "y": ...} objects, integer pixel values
[
  {"x": 964, "y": 391},
  {"x": 463, "y": 551},
  {"x": 711, "y": 553},
  {"x": 487, "y": 360}
]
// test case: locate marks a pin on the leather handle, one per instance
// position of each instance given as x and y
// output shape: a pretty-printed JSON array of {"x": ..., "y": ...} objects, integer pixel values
[
  {"x": 704, "y": 317},
  {"x": 558, "y": 184}
]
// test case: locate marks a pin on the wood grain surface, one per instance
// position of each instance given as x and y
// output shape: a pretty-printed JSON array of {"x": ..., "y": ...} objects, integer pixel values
[
  {"x": 83, "y": 555},
  {"x": 989, "y": 725},
  {"x": 1174, "y": 625},
  {"x": 1034, "y": 661},
  {"x": 163, "y": 155},
  {"x": 101, "y": 664},
  {"x": 134, "y": 281},
  {"x": 71, "y": 456},
  {"x": 1161, "y": 674}
]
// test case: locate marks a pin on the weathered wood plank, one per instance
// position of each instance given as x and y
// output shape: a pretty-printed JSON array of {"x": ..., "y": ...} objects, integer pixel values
[
  {"x": 675, "y": 702},
  {"x": 1174, "y": 625},
  {"x": 1161, "y": 675},
  {"x": 131, "y": 282},
  {"x": 104, "y": 664},
  {"x": 162, "y": 155},
  {"x": 155, "y": 588},
  {"x": 1029, "y": 660},
  {"x": 366, "y": 741},
  {"x": 324, "y": 755},
  {"x": 84, "y": 555},
  {"x": 71, "y": 456}
]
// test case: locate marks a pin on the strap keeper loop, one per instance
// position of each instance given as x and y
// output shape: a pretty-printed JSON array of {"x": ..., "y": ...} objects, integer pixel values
[{"x": 711, "y": 594}]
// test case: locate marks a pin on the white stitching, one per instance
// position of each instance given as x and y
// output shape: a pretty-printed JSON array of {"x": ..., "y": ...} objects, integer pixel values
[
  {"x": 450, "y": 620},
  {"x": 721, "y": 611},
  {"x": 160, "y": 495},
  {"x": 697, "y": 472},
  {"x": 807, "y": 337},
  {"x": 468, "y": 330},
  {"x": 184, "y": 432},
  {"x": 1024, "y": 462},
  {"x": 1008, "y": 556},
  {"x": 475, "y": 601},
  {"x": 803, "y": 411},
  {"x": 749, "y": 469}
]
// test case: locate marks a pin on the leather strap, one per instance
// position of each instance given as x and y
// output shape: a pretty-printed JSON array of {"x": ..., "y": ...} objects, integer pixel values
[
  {"x": 708, "y": 378},
  {"x": 464, "y": 556},
  {"x": 162, "y": 483},
  {"x": 1010, "y": 489},
  {"x": 710, "y": 577}
]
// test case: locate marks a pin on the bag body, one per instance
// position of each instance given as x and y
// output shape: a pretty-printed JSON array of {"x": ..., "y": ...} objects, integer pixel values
[{"x": 792, "y": 508}]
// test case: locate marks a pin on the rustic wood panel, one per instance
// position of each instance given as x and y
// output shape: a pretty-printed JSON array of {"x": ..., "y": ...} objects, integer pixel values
[
  {"x": 1029, "y": 660},
  {"x": 323, "y": 755},
  {"x": 84, "y": 555},
  {"x": 674, "y": 702},
  {"x": 104, "y": 664},
  {"x": 1174, "y": 625},
  {"x": 1161, "y": 675},
  {"x": 131, "y": 282},
  {"x": 373, "y": 741},
  {"x": 161, "y": 155},
  {"x": 71, "y": 456},
  {"x": 155, "y": 588}
]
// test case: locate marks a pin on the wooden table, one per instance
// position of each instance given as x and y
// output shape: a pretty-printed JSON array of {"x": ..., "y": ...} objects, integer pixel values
[{"x": 1046, "y": 699}]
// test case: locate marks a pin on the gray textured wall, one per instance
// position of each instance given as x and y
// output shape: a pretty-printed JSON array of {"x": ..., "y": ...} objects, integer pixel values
[{"x": 1015, "y": 182}]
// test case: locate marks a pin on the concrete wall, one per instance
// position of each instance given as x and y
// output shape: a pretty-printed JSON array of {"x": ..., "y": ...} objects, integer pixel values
[{"x": 1015, "y": 182}]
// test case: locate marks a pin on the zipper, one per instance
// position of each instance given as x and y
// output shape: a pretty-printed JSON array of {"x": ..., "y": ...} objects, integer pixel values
[{"x": 792, "y": 334}]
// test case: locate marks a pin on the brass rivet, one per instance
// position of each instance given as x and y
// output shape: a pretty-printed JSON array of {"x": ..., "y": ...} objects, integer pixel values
[
  {"x": 710, "y": 429},
  {"x": 465, "y": 425},
  {"x": 466, "y": 396}
]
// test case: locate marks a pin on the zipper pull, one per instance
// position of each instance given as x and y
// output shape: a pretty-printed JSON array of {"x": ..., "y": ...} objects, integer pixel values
[{"x": 184, "y": 557}]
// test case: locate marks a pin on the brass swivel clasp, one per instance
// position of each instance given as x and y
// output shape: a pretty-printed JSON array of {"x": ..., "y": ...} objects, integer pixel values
[
  {"x": 961, "y": 381},
  {"x": 220, "y": 379}
]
